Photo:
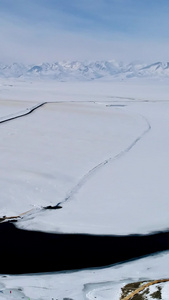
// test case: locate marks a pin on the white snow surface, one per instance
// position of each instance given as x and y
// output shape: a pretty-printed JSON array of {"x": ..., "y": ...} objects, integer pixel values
[
  {"x": 104, "y": 159},
  {"x": 101, "y": 149}
]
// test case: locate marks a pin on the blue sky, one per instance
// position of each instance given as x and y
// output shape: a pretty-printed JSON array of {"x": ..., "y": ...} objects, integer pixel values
[{"x": 51, "y": 30}]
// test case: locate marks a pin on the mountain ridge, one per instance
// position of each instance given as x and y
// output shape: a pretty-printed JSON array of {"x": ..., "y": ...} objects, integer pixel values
[{"x": 78, "y": 70}]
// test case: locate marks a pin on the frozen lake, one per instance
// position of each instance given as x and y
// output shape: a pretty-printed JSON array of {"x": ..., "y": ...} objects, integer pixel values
[{"x": 99, "y": 151}]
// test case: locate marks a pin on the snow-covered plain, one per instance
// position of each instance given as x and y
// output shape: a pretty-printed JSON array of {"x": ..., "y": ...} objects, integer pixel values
[{"x": 101, "y": 150}]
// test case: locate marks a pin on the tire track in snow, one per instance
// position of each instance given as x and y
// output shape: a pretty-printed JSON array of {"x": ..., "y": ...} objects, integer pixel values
[
  {"x": 91, "y": 172},
  {"x": 21, "y": 114}
]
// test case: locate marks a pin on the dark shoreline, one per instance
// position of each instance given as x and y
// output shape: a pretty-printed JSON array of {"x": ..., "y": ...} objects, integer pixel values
[{"x": 24, "y": 251}]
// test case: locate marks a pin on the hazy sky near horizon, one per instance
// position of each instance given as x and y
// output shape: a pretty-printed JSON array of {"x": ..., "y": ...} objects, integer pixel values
[{"x": 34, "y": 31}]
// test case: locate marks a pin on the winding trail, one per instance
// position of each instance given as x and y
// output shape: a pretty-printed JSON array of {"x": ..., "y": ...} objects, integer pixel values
[
  {"x": 95, "y": 169},
  {"x": 143, "y": 287}
]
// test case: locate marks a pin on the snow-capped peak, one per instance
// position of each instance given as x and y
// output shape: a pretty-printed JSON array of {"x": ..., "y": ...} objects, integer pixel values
[{"x": 77, "y": 70}]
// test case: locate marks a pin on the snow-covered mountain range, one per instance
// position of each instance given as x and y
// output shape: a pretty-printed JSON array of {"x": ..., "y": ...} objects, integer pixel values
[{"x": 76, "y": 70}]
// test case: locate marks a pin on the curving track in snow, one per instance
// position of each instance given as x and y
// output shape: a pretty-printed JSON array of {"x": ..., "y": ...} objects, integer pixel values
[{"x": 95, "y": 169}]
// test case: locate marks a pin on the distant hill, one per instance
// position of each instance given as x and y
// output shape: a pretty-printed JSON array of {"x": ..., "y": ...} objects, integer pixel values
[{"x": 80, "y": 71}]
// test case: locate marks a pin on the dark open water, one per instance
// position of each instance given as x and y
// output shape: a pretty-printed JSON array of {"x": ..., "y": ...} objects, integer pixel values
[{"x": 24, "y": 251}]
